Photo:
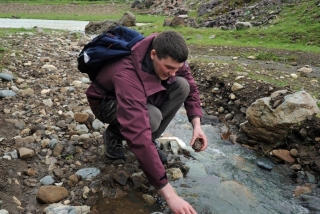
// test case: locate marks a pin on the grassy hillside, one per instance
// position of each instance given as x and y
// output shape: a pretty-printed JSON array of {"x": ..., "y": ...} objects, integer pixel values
[{"x": 297, "y": 27}]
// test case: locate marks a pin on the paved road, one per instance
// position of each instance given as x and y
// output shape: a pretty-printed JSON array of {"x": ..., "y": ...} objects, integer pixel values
[{"x": 51, "y": 24}]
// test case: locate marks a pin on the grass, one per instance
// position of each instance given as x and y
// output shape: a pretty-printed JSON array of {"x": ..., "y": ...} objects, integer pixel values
[{"x": 296, "y": 28}]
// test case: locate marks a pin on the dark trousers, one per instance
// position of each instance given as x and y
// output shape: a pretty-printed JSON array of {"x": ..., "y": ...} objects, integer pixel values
[{"x": 176, "y": 93}]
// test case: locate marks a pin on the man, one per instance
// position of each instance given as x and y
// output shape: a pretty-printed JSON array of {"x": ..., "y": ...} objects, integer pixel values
[{"x": 138, "y": 96}]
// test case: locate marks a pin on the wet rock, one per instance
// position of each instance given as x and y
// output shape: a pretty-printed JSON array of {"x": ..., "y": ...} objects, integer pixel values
[
  {"x": 265, "y": 163},
  {"x": 294, "y": 153},
  {"x": 148, "y": 199},
  {"x": 283, "y": 155},
  {"x": 51, "y": 194},
  {"x": 138, "y": 179},
  {"x": 197, "y": 146},
  {"x": 299, "y": 190},
  {"x": 60, "y": 208},
  {"x": 175, "y": 173},
  {"x": 121, "y": 177}
]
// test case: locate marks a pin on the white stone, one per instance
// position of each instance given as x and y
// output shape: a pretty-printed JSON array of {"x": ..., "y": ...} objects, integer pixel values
[
  {"x": 45, "y": 91},
  {"x": 294, "y": 76},
  {"x": 236, "y": 87}
]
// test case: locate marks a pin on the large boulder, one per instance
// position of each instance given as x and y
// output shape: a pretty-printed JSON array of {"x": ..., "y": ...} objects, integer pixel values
[
  {"x": 128, "y": 19},
  {"x": 96, "y": 27},
  {"x": 271, "y": 124}
]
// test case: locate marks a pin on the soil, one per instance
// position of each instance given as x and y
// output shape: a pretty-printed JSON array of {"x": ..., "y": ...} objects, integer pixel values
[{"x": 208, "y": 77}]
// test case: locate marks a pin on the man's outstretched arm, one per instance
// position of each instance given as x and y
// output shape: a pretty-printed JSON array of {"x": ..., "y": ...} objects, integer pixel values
[{"x": 176, "y": 204}]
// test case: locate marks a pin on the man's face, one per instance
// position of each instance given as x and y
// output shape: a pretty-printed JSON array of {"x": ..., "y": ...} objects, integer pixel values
[{"x": 166, "y": 67}]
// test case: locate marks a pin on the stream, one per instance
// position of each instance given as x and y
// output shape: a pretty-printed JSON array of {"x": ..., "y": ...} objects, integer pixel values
[
  {"x": 226, "y": 179},
  {"x": 223, "y": 179}
]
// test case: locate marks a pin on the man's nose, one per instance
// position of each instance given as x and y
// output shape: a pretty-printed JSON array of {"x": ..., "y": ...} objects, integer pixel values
[{"x": 173, "y": 72}]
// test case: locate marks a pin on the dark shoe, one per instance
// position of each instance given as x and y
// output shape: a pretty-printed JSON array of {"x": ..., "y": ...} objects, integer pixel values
[
  {"x": 113, "y": 146},
  {"x": 162, "y": 155}
]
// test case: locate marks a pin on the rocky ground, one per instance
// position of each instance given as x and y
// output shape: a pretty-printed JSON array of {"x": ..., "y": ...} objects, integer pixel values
[{"x": 47, "y": 129}]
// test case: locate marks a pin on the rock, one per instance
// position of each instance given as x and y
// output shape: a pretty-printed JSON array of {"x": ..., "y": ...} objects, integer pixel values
[
  {"x": 97, "y": 124},
  {"x": 60, "y": 208},
  {"x": 88, "y": 173},
  {"x": 16, "y": 201},
  {"x": 175, "y": 173},
  {"x": 236, "y": 87},
  {"x": 128, "y": 19},
  {"x": 197, "y": 146},
  {"x": 121, "y": 177},
  {"x": 265, "y": 163},
  {"x": 296, "y": 167},
  {"x": 25, "y": 153},
  {"x": 148, "y": 199},
  {"x": 243, "y": 25},
  {"x": 31, "y": 172},
  {"x": 271, "y": 125},
  {"x": 137, "y": 179},
  {"x": 47, "y": 180},
  {"x": 97, "y": 27},
  {"x": 294, "y": 153},
  {"x": 7, "y": 93},
  {"x": 304, "y": 71},
  {"x": 251, "y": 57},
  {"x": 6, "y": 77},
  {"x": 26, "y": 92},
  {"x": 283, "y": 155},
  {"x": 81, "y": 117},
  {"x": 294, "y": 76},
  {"x": 302, "y": 190},
  {"x": 51, "y": 194},
  {"x": 85, "y": 193}
]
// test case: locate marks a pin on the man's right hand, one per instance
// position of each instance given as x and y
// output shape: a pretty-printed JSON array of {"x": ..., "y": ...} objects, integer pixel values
[{"x": 175, "y": 203}]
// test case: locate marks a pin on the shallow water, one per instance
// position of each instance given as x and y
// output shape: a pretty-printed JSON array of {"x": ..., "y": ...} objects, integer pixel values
[{"x": 223, "y": 179}]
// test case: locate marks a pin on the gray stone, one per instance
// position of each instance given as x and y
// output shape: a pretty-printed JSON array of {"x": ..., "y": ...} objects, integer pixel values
[
  {"x": 7, "y": 77},
  {"x": 7, "y": 93},
  {"x": 4, "y": 211},
  {"x": 272, "y": 125},
  {"x": 60, "y": 208},
  {"x": 47, "y": 180},
  {"x": 265, "y": 163},
  {"x": 88, "y": 173}
]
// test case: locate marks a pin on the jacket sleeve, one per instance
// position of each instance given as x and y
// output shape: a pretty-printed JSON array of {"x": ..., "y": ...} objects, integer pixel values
[
  {"x": 132, "y": 114},
  {"x": 192, "y": 104}
]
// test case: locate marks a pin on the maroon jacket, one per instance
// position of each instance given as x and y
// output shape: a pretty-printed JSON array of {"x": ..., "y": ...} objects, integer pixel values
[{"x": 133, "y": 89}]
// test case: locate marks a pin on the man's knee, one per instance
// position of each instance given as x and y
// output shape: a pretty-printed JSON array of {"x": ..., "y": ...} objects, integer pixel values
[
  {"x": 183, "y": 85},
  {"x": 155, "y": 117}
]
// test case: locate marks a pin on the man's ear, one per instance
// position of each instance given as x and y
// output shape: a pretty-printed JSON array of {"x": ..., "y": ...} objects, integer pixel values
[{"x": 153, "y": 54}]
